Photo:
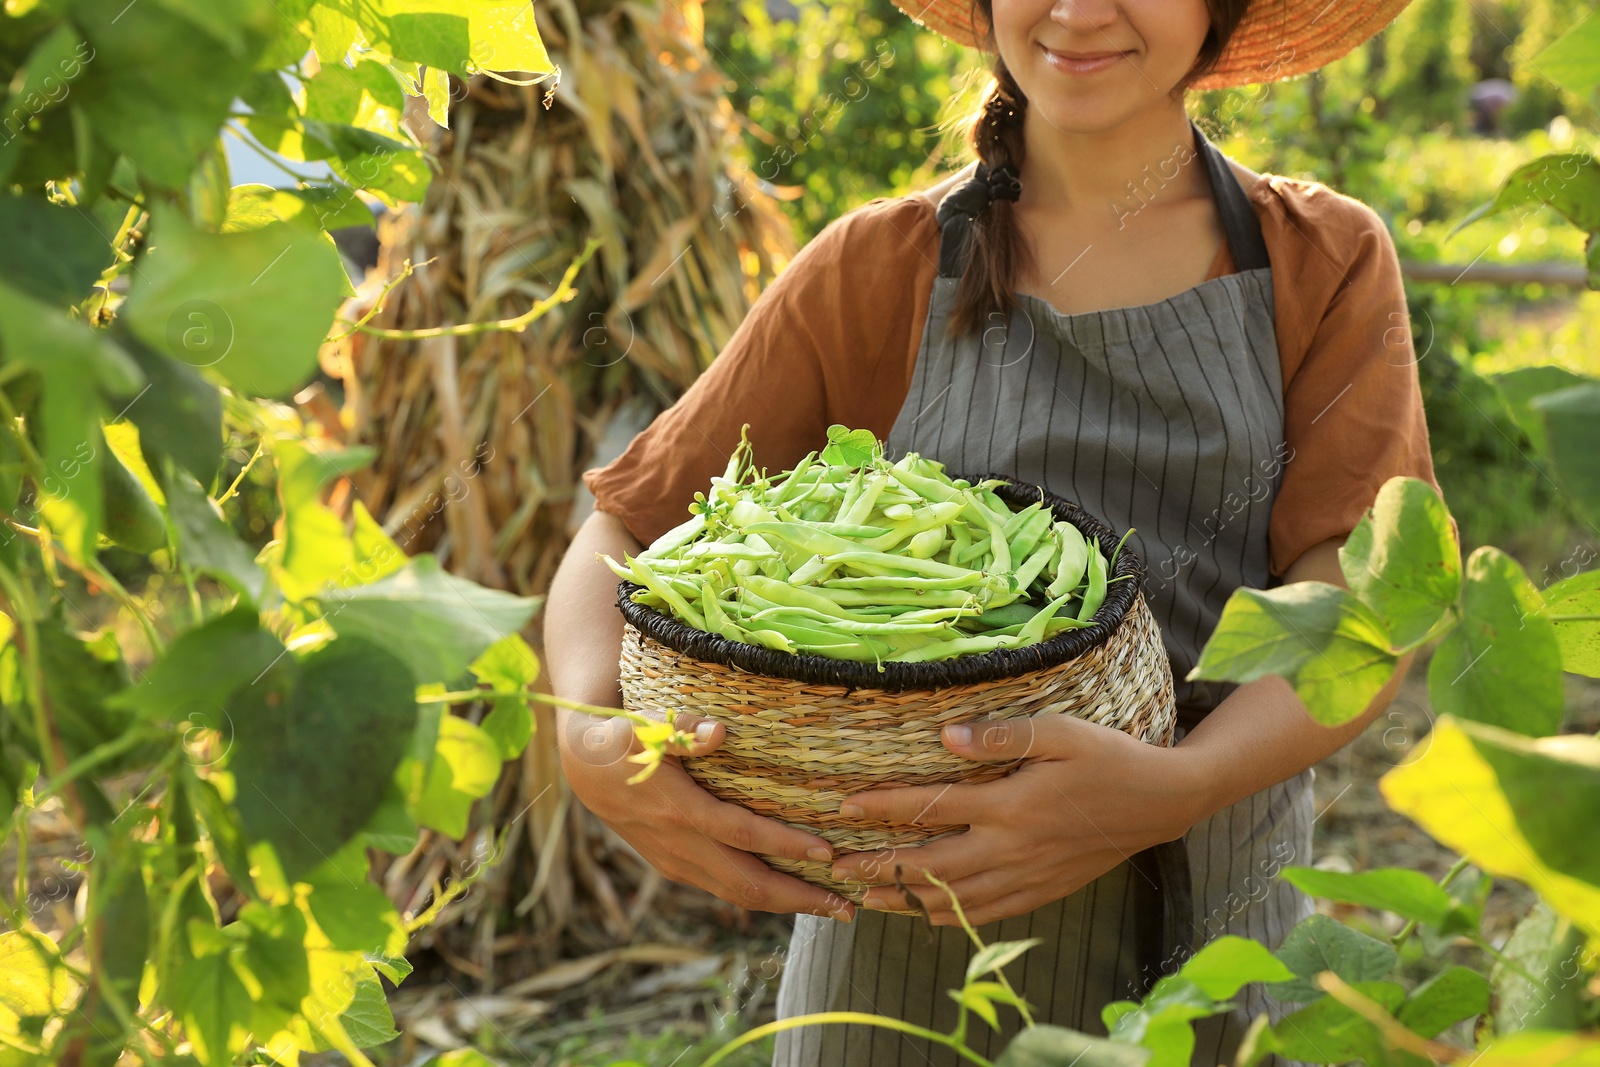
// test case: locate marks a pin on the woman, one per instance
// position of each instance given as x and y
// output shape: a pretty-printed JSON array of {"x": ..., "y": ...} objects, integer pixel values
[{"x": 1105, "y": 306}]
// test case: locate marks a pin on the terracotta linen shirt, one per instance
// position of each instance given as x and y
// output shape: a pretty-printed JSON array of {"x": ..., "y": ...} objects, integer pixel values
[{"x": 834, "y": 337}]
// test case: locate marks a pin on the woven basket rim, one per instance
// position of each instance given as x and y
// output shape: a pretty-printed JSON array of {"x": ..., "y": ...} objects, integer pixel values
[{"x": 896, "y": 677}]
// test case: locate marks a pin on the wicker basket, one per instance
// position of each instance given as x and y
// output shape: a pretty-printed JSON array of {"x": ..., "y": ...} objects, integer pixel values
[{"x": 804, "y": 731}]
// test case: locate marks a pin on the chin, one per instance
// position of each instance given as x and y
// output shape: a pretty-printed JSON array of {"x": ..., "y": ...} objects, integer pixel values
[{"x": 1082, "y": 113}]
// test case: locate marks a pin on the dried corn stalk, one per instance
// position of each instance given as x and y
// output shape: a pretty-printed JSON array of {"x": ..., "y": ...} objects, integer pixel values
[{"x": 481, "y": 439}]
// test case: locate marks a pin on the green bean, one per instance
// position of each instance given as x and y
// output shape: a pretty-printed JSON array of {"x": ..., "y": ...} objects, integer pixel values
[
  {"x": 883, "y": 563},
  {"x": 728, "y": 550},
  {"x": 675, "y": 538},
  {"x": 1074, "y": 560},
  {"x": 1038, "y": 561},
  {"x": 641, "y": 573},
  {"x": 1097, "y": 585},
  {"x": 1029, "y": 534},
  {"x": 807, "y": 538},
  {"x": 958, "y": 646},
  {"x": 927, "y": 544},
  {"x": 894, "y": 627},
  {"x": 910, "y": 581},
  {"x": 862, "y": 505}
]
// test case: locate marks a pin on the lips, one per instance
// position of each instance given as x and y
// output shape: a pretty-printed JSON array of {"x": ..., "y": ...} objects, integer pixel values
[{"x": 1081, "y": 63}]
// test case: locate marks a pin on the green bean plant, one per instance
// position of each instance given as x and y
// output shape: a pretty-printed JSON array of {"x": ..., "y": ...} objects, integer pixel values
[{"x": 225, "y": 732}]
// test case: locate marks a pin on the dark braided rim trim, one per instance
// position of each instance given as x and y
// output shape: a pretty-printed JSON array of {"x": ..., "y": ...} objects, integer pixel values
[{"x": 895, "y": 677}]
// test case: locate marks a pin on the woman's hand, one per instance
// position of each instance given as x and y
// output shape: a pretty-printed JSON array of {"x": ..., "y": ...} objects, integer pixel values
[
  {"x": 1087, "y": 798},
  {"x": 683, "y": 831}
]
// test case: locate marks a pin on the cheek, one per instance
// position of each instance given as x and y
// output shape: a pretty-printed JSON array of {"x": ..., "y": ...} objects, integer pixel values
[
  {"x": 1173, "y": 32},
  {"x": 1014, "y": 20}
]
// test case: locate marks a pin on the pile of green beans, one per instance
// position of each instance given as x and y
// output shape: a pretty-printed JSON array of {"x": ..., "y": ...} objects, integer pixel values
[{"x": 852, "y": 557}]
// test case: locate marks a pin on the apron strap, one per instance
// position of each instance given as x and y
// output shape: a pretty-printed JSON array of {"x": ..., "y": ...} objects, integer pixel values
[{"x": 1240, "y": 223}]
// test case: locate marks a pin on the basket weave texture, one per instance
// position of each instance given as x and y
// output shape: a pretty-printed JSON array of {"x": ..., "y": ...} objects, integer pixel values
[{"x": 800, "y": 739}]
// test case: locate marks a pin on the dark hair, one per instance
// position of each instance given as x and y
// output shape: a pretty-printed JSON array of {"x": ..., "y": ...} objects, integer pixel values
[{"x": 998, "y": 254}]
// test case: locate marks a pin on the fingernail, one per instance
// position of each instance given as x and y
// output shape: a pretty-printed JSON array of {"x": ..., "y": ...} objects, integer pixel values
[
  {"x": 702, "y": 732},
  {"x": 873, "y": 904},
  {"x": 839, "y": 874},
  {"x": 819, "y": 853},
  {"x": 959, "y": 735},
  {"x": 851, "y": 811},
  {"x": 843, "y": 916}
]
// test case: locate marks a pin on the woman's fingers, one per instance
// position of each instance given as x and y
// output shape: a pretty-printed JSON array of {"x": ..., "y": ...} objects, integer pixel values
[
  {"x": 949, "y": 858},
  {"x": 738, "y": 827},
  {"x": 950, "y": 804},
  {"x": 708, "y": 735},
  {"x": 742, "y": 879}
]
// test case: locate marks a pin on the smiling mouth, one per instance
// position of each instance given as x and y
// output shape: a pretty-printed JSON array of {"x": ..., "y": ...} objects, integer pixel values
[{"x": 1082, "y": 62}]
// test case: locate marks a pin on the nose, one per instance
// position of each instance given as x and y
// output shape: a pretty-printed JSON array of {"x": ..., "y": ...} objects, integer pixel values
[{"x": 1081, "y": 15}]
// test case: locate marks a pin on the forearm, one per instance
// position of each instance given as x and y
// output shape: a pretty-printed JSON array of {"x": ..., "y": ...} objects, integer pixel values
[
  {"x": 583, "y": 628},
  {"x": 1262, "y": 733}
]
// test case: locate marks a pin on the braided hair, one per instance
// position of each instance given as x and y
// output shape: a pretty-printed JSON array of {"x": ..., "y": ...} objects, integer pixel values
[{"x": 997, "y": 253}]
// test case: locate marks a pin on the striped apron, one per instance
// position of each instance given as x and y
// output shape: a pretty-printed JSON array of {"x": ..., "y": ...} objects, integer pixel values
[{"x": 1166, "y": 419}]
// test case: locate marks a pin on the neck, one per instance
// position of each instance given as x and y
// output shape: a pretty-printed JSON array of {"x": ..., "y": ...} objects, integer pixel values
[{"x": 1136, "y": 162}]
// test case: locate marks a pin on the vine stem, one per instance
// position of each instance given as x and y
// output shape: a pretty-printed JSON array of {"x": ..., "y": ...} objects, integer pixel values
[
  {"x": 865, "y": 1018},
  {"x": 406, "y": 270},
  {"x": 243, "y": 471},
  {"x": 1574, "y": 618},
  {"x": 1393, "y": 1030},
  {"x": 1444, "y": 883},
  {"x": 563, "y": 292},
  {"x": 955, "y": 905}
]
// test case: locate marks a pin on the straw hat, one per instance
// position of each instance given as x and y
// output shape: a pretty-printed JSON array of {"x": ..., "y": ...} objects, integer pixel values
[{"x": 1276, "y": 39}]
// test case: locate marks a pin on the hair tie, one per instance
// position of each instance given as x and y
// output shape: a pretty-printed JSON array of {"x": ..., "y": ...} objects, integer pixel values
[{"x": 973, "y": 196}]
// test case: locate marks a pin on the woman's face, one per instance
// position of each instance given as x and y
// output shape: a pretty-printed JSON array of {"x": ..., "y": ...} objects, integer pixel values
[{"x": 1087, "y": 66}]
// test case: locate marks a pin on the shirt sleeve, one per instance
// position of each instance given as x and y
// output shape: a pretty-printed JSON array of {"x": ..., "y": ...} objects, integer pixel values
[
  {"x": 826, "y": 341},
  {"x": 1353, "y": 411}
]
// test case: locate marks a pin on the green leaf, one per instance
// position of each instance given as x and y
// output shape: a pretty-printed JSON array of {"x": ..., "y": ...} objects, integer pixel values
[
  {"x": 993, "y": 957},
  {"x": 316, "y": 550},
  {"x": 161, "y": 81},
  {"x": 849, "y": 448},
  {"x": 510, "y": 724},
  {"x": 1517, "y": 807},
  {"x": 1545, "y": 1048},
  {"x": 1502, "y": 662},
  {"x": 463, "y": 1057},
  {"x": 315, "y": 743},
  {"x": 1521, "y": 385},
  {"x": 53, "y": 252},
  {"x": 973, "y": 999},
  {"x": 322, "y": 207},
  {"x": 1319, "y": 944},
  {"x": 254, "y": 306},
  {"x": 365, "y": 96},
  {"x": 1569, "y": 417},
  {"x": 179, "y": 415},
  {"x": 1055, "y": 1046},
  {"x": 68, "y": 356},
  {"x": 367, "y": 1020},
  {"x": 436, "y": 90},
  {"x": 211, "y": 1000},
  {"x": 462, "y": 36},
  {"x": 356, "y": 916},
  {"x": 507, "y": 666},
  {"x": 1162, "y": 1023},
  {"x": 275, "y": 953},
  {"x": 1226, "y": 964},
  {"x": 1329, "y": 1032},
  {"x": 1323, "y": 640},
  {"x": 202, "y": 669},
  {"x": 442, "y": 621},
  {"x": 395, "y": 968},
  {"x": 32, "y": 979},
  {"x": 1573, "y": 60},
  {"x": 1537, "y": 987},
  {"x": 1444, "y": 1000},
  {"x": 376, "y": 554},
  {"x": 1568, "y": 183},
  {"x": 1403, "y": 560},
  {"x": 1409, "y": 894},
  {"x": 79, "y": 677},
  {"x": 465, "y": 767},
  {"x": 1580, "y": 639},
  {"x": 209, "y": 544}
]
